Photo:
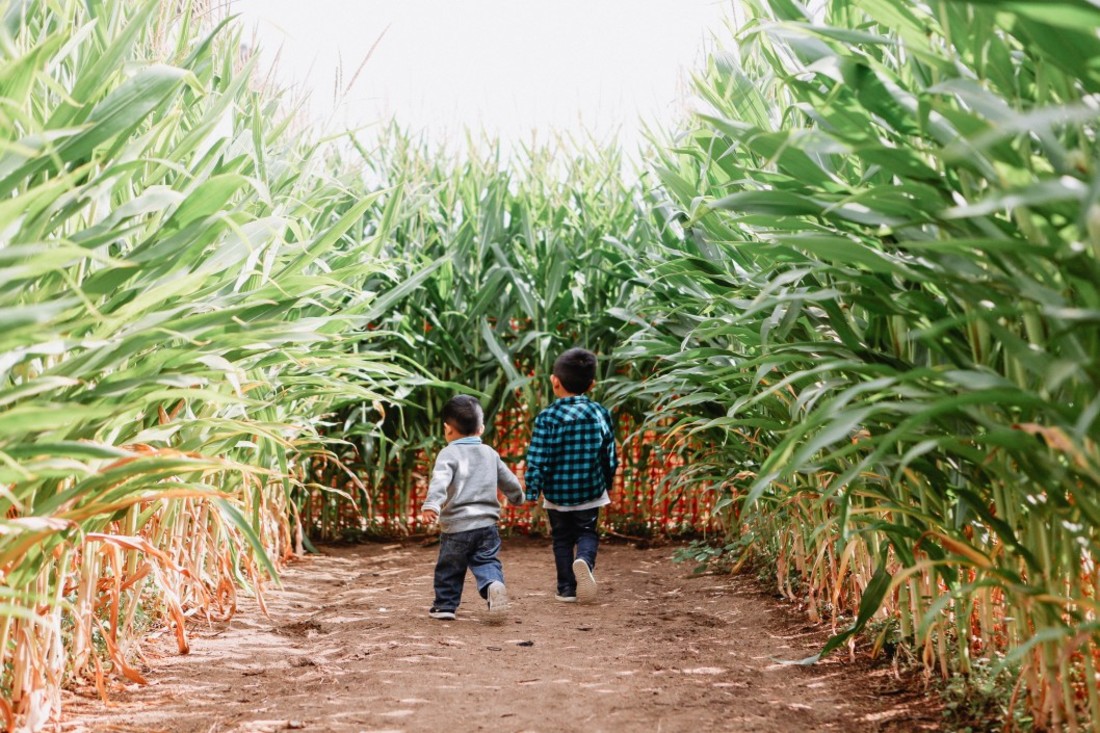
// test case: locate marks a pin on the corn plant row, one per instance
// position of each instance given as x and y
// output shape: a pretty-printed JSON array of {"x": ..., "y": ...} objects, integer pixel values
[
  {"x": 180, "y": 303},
  {"x": 343, "y": 502},
  {"x": 502, "y": 266},
  {"x": 882, "y": 244}
]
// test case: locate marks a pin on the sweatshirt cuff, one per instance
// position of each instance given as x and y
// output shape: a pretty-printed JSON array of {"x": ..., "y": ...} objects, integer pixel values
[{"x": 429, "y": 507}]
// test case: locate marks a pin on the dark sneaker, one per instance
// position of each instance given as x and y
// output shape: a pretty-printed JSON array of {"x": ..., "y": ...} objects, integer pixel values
[
  {"x": 566, "y": 599},
  {"x": 586, "y": 582},
  {"x": 498, "y": 601},
  {"x": 442, "y": 614}
]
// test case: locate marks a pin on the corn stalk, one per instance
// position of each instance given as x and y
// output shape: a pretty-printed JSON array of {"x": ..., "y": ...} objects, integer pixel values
[
  {"x": 888, "y": 320},
  {"x": 180, "y": 300}
]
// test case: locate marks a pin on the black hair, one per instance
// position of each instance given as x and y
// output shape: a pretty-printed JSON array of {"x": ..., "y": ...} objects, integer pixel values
[
  {"x": 463, "y": 413},
  {"x": 576, "y": 369}
]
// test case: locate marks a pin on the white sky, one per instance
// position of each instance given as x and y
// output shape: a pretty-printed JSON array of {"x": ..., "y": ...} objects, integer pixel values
[{"x": 513, "y": 68}]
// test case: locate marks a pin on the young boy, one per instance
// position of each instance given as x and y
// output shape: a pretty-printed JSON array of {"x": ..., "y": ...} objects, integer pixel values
[
  {"x": 462, "y": 495},
  {"x": 571, "y": 461}
]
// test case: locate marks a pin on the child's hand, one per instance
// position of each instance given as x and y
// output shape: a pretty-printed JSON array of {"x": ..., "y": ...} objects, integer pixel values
[{"x": 430, "y": 516}]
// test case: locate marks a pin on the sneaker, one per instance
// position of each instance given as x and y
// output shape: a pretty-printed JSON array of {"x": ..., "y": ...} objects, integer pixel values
[
  {"x": 586, "y": 582},
  {"x": 498, "y": 600},
  {"x": 442, "y": 614},
  {"x": 566, "y": 599}
]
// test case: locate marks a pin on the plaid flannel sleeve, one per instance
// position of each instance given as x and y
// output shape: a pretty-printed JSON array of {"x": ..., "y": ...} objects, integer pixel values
[
  {"x": 540, "y": 455},
  {"x": 609, "y": 460}
]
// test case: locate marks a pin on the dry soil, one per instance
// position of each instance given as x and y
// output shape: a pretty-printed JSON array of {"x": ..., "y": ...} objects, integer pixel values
[{"x": 348, "y": 647}]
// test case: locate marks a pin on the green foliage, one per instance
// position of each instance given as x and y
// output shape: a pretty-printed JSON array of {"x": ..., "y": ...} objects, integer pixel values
[
  {"x": 710, "y": 556},
  {"x": 182, "y": 303},
  {"x": 986, "y": 699},
  {"x": 493, "y": 272},
  {"x": 886, "y": 315}
]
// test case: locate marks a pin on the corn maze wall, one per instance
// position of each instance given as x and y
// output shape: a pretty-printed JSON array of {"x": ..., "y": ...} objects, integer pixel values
[{"x": 347, "y": 504}]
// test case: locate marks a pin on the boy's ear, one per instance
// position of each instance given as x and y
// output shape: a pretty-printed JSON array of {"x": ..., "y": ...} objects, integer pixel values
[{"x": 554, "y": 381}]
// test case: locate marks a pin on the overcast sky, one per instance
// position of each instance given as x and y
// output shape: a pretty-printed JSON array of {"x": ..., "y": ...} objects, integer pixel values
[{"x": 510, "y": 67}]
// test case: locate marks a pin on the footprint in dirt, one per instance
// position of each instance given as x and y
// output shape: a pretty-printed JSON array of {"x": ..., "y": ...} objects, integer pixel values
[
  {"x": 680, "y": 619},
  {"x": 299, "y": 629}
]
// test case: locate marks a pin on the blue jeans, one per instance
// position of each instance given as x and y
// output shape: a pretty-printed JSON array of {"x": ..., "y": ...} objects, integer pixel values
[
  {"x": 573, "y": 531},
  {"x": 475, "y": 549}
]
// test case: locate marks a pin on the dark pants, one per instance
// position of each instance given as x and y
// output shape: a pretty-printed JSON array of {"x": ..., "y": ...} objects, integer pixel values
[
  {"x": 475, "y": 549},
  {"x": 573, "y": 531}
]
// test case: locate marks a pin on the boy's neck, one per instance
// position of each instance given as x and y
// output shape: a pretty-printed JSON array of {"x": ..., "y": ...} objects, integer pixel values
[{"x": 451, "y": 434}]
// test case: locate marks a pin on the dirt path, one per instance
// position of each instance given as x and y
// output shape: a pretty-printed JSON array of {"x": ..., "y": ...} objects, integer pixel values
[{"x": 349, "y": 647}]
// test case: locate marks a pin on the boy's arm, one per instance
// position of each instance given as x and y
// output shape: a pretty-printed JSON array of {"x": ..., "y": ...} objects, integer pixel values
[
  {"x": 609, "y": 457},
  {"x": 442, "y": 473},
  {"x": 539, "y": 455},
  {"x": 509, "y": 484}
]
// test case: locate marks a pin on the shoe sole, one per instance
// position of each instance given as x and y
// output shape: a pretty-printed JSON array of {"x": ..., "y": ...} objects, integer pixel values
[
  {"x": 586, "y": 582},
  {"x": 442, "y": 616},
  {"x": 566, "y": 599},
  {"x": 498, "y": 602}
]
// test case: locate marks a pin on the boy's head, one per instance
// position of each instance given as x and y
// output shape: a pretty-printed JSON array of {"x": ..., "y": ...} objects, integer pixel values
[
  {"x": 463, "y": 413},
  {"x": 576, "y": 370}
]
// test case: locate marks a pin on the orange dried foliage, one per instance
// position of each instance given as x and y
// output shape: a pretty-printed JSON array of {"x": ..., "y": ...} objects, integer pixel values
[{"x": 638, "y": 501}]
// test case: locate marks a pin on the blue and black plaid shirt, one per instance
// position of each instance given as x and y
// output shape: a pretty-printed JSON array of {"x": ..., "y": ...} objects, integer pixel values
[{"x": 571, "y": 459}]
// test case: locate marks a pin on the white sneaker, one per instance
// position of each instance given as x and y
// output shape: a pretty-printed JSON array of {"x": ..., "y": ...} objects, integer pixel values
[
  {"x": 565, "y": 599},
  {"x": 586, "y": 582},
  {"x": 498, "y": 600}
]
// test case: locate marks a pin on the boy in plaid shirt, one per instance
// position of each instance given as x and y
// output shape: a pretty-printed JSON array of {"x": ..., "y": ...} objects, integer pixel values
[{"x": 571, "y": 461}]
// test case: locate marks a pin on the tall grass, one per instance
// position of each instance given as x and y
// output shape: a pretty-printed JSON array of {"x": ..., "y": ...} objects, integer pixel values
[
  {"x": 887, "y": 317},
  {"x": 181, "y": 303},
  {"x": 502, "y": 267}
]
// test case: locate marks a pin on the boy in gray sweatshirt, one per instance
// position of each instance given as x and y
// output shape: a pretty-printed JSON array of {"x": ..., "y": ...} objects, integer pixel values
[{"x": 462, "y": 495}]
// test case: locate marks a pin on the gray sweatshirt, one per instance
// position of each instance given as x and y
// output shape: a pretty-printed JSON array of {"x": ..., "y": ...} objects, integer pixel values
[{"x": 464, "y": 484}]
